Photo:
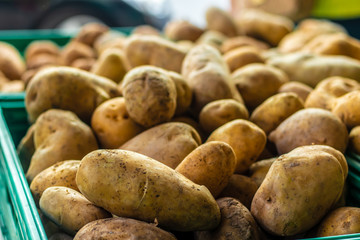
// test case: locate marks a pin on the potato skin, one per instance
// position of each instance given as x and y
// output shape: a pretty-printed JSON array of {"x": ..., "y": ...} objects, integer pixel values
[
  {"x": 11, "y": 63},
  {"x": 300, "y": 89},
  {"x": 169, "y": 143},
  {"x": 178, "y": 30},
  {"x": 347, "y": 108},
  {"x": 211, "y": 164},
  {"x": 122, "y": 229},
  {"x": 259, "y": 169},
  {"x": 242, "y": 56},
  {"x": 241, "y": 41},
  {"x": 183, "y": 93},
  {"x": 129, "y": 184},
  {"x": 69, "y": 209},
  {"x": 221, "y": 21},
  {"x": 90, "y": 32},
  {"x": 75, "y": 50}
]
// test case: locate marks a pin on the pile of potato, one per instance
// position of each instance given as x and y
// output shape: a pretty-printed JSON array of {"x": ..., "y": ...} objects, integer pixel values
[{"x": 236, "y": 131}]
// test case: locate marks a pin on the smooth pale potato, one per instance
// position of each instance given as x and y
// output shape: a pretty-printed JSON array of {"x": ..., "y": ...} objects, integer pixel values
[
  {"x": 213, "y": 38},
  {"x": 59, "y": 135},
  {"x": 299, "y": 189},
  {"x": 241, "y": 188},
  {"x": 347, "y": 108},
  {"x": 246, "y": 139},
  {"x": 221, "y": 21},
  {"x": 153, "y": 50},
  {"x": 219, "y": 112},
  {"x": 341, "y": 221},
  {"x": 178, "y": 30},
  {"x": 145, "y": 30},
  {"x": 310, "y": 126},
  {"x": 11, "y": 63},
  {"x": 150, "y": 95},
  {"x": 354, "y": 139},
  {"x": 259, "y": 169},
  {"x": 242, "y": 41},
  {"x": 242, "y": 56},
  {"x": 169, "y": 143},
  {"x": 300, "y": 89},
  {"x": 75, "y": 50},
  {"x": 69, "y": 89},
  {"x": 122, "y": 229},
  {"x": 211, "y": 164},
  {"x": 69, "y": 209},
  {"x": 257, "y": 82},
  {"x": 275, "y": 110},
  {"x": 90, "y": 32},
  {"x": 129, "y": 184},
  {"x": 112, "y": 125},
  {"x": 183, "y": 93},
  {"x": 60, "y": 174},
  {"x": 237, "y": 223}
]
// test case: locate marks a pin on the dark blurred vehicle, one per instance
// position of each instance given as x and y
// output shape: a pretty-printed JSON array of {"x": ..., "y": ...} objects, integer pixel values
[{"x": 48, "y": 14}]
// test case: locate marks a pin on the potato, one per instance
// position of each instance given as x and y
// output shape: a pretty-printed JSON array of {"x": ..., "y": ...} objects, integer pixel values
[
  {"x": 152, "y": 50},
  {"x": 145, "y": 30},
  {"x": 210, "y": 164},
  {"x": 90, "y": 32},
  {"x": 240, "y": 187},
  {"x": 242, "y": 56},
  {"x": 219, "y": 112},
  {"x": 237, "y": 223},
  {"x": 246, "y": 139},
  {"x": 354, "y": 139},
  {"x": 213, "y": 38},
  {"x": 109, "y": 39},
  {"x": 192, "y": 122},
  {"x": 183, "y": 93},
  {"x": 347, "y": 108},
  {"x": 299, "y": 66},
  {"x": 111, "y": 64},
  {"x": 256, "y": 82},
  {"x": 69, "y": 89},
  {"x": 221, "y": 21},
  {"x": 59, "y": 135},
  {"x": 26, "y": 147},
  {"x": 259, "y": 169},
  {"x": 41, "y": 47},
  {"x": 129, "y": 184},
  {"x": 69, "y": 209},
  {"x": 42, "y": 59},
  {"x": 299, "y": 189},
  {"x": 112, "y": 124},
  {"x": 300, "y": 89},
  {"x": 60, "y": 174},
  {"x": 169, "y": 143},
  {"x": 84, "y": 63},
  {"x": 242, "y": 41},
  {"x": 150, "y": 95},
  {"x": 122, "y": 229},
  {"x": 11, "y": 63},
  {"x": 178, "y": 30},
  {"x": 275, "y": 110},
  {"x": 266, "y": 26},
  {"x": 13, "y": 86},
  {"x": 75, "y": 50},
  {"x": 208, "y": 76},
  {"x": 310, "y": 126},
  {"x": 341, "y": 221}
]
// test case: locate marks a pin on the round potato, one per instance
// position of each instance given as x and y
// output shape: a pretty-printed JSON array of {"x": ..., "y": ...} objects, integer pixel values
[
  {"x": 241, "y": 41},
  {"x": 300, "y": 89},
  {"x": 145, "y": 30},
  {"x": 178, "y": 30},
  {"x": 75, "y": 50},
  {"x": 183, "y": 93},
  {"x": 11, "y": 63},
  {"x": 242, "y": 56},
  {"x": 259, "y": 169},
  {"x": 90, "y": 32},
  {"x": 221, "y": 21},
  {"x": 83, "y": 63},
  {"x": 347, "y": 108},
  {"x": 213, "y": 38},
  {"x": 41, "y": 47}
]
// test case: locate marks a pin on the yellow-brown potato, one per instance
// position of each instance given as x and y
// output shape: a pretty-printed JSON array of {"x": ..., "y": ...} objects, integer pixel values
[
  {"x": 221, "y": 21},
  {"x": 266, "y": 26},
  {"x": 192, "y": 122},
  {"x": 129, "y": 184},
  {"x": 259, "y": 169},
  {"x": 241, "y": 188},
  {"x": 300, "y": 89},
  {"x": 112, "y": 124},
  {"x": 242, "y": 41},
  {"x": 145, "y": 30},
  {"x": 13, "y": 86},
  {"x": 110, "y": 39},
  {"x": 90, "y": 32},
  {"x": 213, "y": 38},
  {"x": 341, "y": 221},
  {"x": 42, "y": 59},
  {"x": 183, "y": 93},
  {"x": 354, "y": 139},
  {"x": 310, "y": 126},
  {"x": 59, "y": 135},
  {"x": 41, "y": 47},
  {"x": 150, "y": 95},
  {"x": 26, "y": 147},
  {"x": 178, "y": 30},
  {"x": 169, "y": 143},
  {"x": 153, "y": 50},
  {"x": 69, "y": 209},
  {"x": 347, "y": 108},
  {"x": 211, "y": 164},
  {"x": 242, "y": 56},
  {"x": 219, "y": 112},
  {"x": 122, "y": 229},
  {"x": 69, "y": 89},
  {"x": 275, "y": 110},
  {"x": 256, "y": 82},
  {"x": 75, "y": 50},
  {"x": 11, "y": 63},
  {"x": 83, "y": 63},
  {"x": 299, "y": 189},
  {"x": 237, "y": 223},
  {"x": 246, "y": 139},
  {"x": 60, "y": 174}
]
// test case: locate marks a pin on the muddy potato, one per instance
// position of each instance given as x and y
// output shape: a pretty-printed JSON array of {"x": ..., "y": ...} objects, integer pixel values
[
  {"x": 69, "y": 89},
  {"x": 169, "y": 143},
  {"x": 246, "y": 139},
  {"x": 211, "y": 164},
  {"x": 59, "y": 135},
  {"x": 69, "y": 209},
  {"x": 242, "y": 56},
  {"x": 242, "y": 41},
  {"x": 129, "y": 184},
  {"x": 300, "y": 89},
  {"x": 221, "y": 21},
  {"x": 183, "y": 93},
  {"x": 89, "y": 33},
  {"x": 219, "y": 112},
  {"x": 354, "y": 139},
  {"x": 112, "y": 125},
  {"x": 259, "y": 169},
  {"x": 213, "y": 38},
  {"x": 11, "y": 63},
  {"x": 310, "y": 126},
  {"x": 287, "y": 208},
  {"x": 60, "y": 174},
  {"x": 237, "y": 223},
  {"x": 256, "y": 82},
  {"x": 275, "y": 110},
  {"x": 178, "y": 30},
  {"x": 240, "y": 187},
  {"x": 347, "y": 108},
  {"x": 75, "y": 50}
]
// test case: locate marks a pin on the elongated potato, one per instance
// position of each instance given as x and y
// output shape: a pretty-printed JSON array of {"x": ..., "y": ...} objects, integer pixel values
[
  {"x": 11, "y": 63},
  {"x": 129, "y": 184}
]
